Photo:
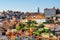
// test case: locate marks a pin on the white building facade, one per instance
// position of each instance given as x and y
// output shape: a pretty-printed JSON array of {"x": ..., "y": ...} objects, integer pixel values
[
  {"x": 49, "y": 12},
  {"x": 40, "y": 20}
]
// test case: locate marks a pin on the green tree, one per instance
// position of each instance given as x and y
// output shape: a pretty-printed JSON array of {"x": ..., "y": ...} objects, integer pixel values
[
  {"x": 57, "y": 11},
  {"x": 18, "y": 28},
  {"x": 31, "y": 23},
  {"x": 25, "y": 28},
  {"x": 37, "y": 33},
  {"x": 41, "y": 26},
  {"x": 28, "y": 23},
  {"x": 34, "y": 22}
]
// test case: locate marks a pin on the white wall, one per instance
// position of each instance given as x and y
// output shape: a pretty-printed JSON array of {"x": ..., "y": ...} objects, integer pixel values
[
  {"x": 49, "y": 12},
  {"x": 40, "y": 20}
]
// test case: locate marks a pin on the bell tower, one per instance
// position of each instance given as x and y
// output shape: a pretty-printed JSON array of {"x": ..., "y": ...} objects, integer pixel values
[{"x": 38, "y": 10}]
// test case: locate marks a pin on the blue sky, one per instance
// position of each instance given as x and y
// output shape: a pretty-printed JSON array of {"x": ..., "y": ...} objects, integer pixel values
[{"x": 28, "y": 5}]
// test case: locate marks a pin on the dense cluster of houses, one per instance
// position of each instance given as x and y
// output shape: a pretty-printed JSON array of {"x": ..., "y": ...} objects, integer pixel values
[{"x": 50, "y": 18}]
